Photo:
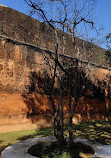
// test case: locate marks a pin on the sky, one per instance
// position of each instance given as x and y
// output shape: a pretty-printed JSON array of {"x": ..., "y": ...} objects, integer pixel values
[{"x": 102, "y": 13}]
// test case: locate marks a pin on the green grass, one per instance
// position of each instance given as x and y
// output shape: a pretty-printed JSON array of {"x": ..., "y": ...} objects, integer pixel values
[
  {"x": 13, "y": 137},
  {"x": 98, "y": 131},
  {"x": 9, "y": 138}
]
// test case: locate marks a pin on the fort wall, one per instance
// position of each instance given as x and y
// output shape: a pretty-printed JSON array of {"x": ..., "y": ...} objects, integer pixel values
[{"x": 25, "y": 43}]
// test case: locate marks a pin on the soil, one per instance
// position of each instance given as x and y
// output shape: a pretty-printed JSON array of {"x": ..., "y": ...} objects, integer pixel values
[{"x": 52, "y": 150}]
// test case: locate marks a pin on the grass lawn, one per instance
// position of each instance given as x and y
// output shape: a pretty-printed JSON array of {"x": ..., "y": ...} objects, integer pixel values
[{"x": 98, "y": 131}]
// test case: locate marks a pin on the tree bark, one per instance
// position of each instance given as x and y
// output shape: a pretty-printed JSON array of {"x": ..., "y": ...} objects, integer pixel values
[{"x": 70, "y": 112}]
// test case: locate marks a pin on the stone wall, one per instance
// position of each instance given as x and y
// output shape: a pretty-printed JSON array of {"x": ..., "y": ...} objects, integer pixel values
[
  {"x": 16, "y": 64},
  {"x": 24, "y": 28},
  {"x": 16, "y": 60},
  {"x": 19, "y": 60}
]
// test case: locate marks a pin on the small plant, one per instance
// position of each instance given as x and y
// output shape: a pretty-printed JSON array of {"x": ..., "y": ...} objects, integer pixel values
[{"x": 55, "y": 155}]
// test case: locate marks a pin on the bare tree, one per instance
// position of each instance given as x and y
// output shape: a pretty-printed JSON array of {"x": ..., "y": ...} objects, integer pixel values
[
  {"x": 108, "y": 52},
  {"x": 72, "y": 17}
]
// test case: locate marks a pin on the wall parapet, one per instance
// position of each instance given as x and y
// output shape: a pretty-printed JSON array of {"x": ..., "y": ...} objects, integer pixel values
[{"x": 21, "y": 27}]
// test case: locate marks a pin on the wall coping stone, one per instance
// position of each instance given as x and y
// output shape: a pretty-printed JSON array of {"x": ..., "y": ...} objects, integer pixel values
[{"x": 2, "y": 5}]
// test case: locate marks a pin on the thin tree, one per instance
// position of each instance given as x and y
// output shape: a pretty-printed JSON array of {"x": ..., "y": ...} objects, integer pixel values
[{"x": 72, "y": 17}]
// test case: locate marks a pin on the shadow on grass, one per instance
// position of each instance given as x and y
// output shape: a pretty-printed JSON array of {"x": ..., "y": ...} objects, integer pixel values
[
  {"x": 42, "y": 132},
  {"x": 95, "y": 131}
]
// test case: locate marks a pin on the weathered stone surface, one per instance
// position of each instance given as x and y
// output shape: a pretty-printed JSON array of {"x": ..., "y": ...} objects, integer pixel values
[
  {"x": 20, "y": 150},
  {"x": 18, "y": 61},
  {"x": 19, "y": 26}
]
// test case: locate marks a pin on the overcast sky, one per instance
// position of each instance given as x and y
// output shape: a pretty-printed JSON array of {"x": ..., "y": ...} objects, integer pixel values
[{"x": 102, "y": 12}]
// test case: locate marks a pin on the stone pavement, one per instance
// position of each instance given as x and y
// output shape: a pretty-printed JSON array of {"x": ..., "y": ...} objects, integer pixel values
[{"x": 20, "y": 150}]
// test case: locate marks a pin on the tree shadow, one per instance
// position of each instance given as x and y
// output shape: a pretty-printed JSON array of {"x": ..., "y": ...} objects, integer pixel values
[
  {"x": 42, "y": 132},
  {"x": 39, "y": 104},
  {"x": 95, "y": 131}
]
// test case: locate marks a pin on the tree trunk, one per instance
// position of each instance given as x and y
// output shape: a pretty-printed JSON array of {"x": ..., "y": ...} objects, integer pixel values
[
  {"x": 62, "y": 114},
  {"x": 70, "y": 113},
  {"x": 59, "y": 120}
]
